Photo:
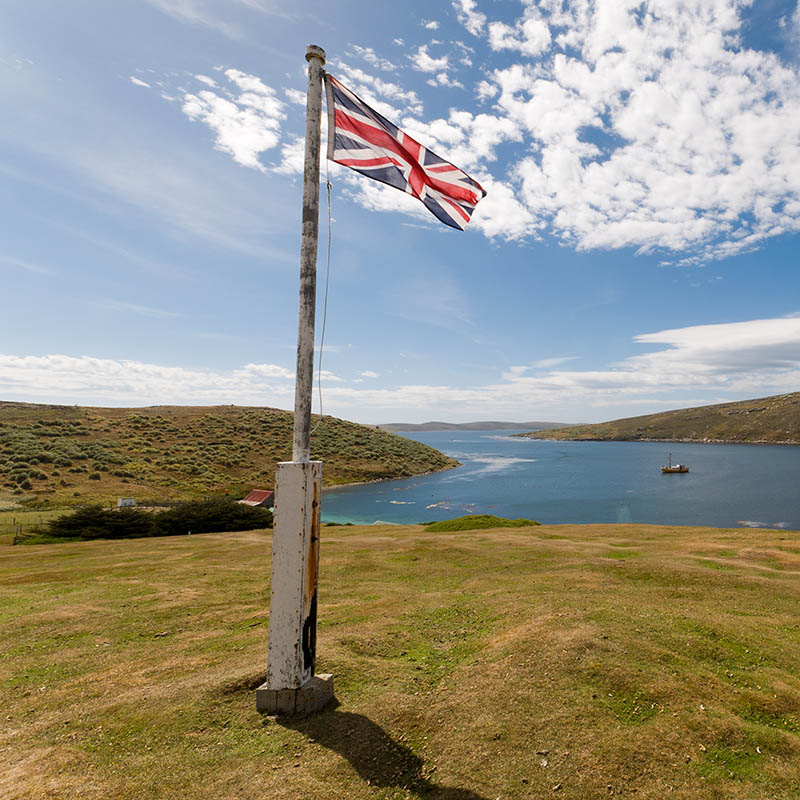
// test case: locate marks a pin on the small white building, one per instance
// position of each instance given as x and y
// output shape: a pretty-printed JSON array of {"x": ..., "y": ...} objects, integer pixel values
[{"x": 126, "y": 502}]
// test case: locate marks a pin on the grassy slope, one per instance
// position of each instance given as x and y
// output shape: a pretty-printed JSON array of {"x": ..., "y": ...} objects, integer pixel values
[
  {"x": 765, "y": 420},
  {"x": 168, "y": 452},
  {"x": 468, "y": 666},
  {"x": 468, "y": 426},
  {"x": 15, "y": 521}
]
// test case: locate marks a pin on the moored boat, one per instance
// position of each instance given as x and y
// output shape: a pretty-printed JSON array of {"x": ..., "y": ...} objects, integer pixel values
[{"x": 674, "y": 467}]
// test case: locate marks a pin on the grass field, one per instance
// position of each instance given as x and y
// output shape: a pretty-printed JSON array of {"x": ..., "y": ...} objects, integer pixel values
[
  {"x": 553, "y": 661},
  {"x": 14, "y": 520}
]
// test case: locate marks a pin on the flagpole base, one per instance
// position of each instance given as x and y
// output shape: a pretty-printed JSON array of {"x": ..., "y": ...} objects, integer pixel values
[{"x": 311, "y": 697}]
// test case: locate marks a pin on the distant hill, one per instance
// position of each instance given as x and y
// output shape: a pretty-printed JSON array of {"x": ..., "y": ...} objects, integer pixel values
[
  {"x": 774, "y": 420},
  {"x": 468, "y": 426},
  {"x": 74, "y": 454}
]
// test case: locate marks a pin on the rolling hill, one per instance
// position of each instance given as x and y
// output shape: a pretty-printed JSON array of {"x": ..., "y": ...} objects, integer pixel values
[
  {"x": 468, "y": 426},
  {"x": 767, "y": 420},
  {"x": 71, "y": 454}
]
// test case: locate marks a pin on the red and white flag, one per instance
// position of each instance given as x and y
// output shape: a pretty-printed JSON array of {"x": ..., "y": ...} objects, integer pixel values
[{"x": 360, "y": 138}]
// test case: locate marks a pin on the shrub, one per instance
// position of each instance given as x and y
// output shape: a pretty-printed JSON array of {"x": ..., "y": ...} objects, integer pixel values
[
  {"x": 208, "y": 516},
  {"x": 96, "y": 522},
  {"x": 219, "y": 514},
  {"x": 476, "y": 522}
]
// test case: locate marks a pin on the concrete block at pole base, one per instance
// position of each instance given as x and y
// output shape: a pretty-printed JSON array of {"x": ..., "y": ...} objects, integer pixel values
[
  {"x": 291, "y": 650},
  {"x": 311, "y": 697}
]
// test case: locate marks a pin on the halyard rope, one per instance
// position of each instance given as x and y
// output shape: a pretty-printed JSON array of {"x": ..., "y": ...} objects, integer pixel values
[{"x": 325, "y": 302}]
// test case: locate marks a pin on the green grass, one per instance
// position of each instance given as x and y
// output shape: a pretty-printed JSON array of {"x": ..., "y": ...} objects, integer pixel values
[
  {"x": 51, "y": 456},
  {"x": 496, "y": 663},
  {"x": 14, "y": 521},
  {"x": 768, "y": 419},
  {"x": 477, "y": 522}
]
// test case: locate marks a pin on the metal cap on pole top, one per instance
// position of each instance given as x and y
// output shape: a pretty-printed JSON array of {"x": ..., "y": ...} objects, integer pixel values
[{"x": 292, "y": 687}]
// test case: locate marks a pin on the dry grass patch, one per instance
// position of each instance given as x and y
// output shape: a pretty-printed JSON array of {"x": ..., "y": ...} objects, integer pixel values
[{"x": 510, "y": 663}]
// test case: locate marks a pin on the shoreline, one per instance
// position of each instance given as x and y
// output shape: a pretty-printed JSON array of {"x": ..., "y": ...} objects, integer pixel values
[
  {"x": 388, "y": 480},
  {"x": 786, "y": 442}
]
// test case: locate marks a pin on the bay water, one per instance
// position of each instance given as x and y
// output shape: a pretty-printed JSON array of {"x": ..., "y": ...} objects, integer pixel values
[{"x": 728, "y": 485}]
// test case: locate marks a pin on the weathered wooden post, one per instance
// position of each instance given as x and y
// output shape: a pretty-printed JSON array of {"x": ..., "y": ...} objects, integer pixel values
[{"x": 291, "y": 686}]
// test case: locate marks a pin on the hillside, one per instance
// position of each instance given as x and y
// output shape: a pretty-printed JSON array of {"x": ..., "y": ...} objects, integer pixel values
[
  {"x": 566, "y": 661},
  {"x": 767, "y": 420},
  {"x": 468, "y": 426},
  {"x": 75, "y": 454}
]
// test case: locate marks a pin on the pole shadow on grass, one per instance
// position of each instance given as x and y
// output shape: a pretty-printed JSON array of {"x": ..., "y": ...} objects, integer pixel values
[{"x": 373, "y": 754}]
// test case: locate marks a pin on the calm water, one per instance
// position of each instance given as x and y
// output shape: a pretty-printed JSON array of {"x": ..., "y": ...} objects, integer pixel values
[{"x": 729, "y": 485}]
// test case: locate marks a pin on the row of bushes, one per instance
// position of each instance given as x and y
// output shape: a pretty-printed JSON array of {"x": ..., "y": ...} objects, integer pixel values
[{"x": 196, "y": 516}]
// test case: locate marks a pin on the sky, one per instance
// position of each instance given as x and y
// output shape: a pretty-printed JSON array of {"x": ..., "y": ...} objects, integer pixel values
[{"x": 637, "y": 250}]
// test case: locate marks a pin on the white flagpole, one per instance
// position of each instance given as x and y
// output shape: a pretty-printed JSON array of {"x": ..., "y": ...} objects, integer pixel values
[{"x": 291, "y": 686}]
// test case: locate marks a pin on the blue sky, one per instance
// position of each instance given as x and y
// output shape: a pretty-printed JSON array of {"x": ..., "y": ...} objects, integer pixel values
[{"x": 637, "y": 250}]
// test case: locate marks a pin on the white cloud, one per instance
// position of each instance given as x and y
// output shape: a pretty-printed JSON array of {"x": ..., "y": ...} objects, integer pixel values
[
  {"x": 28, "y": 266},
  {"x": 633, "y": 129},
  {"x": 431, "y": 25},
  {"x": 376, "y": 92},
  {"x": 443, "y": 79},
  {"x": 132, "y": 308},
  {"x": 200, "y": 12},
  {"x": 791, "y": 23},
  {"x": 501, "y": 214},
  {"x": 650, "y": 130},
  {"x": 330, "y": 348},
  {"x": 702, "y": 363},
  {"x": 486, "y": 90},
  {"x": 424, "y": 62},
  {"x": 136, "y": 82},
  {"x": 624, "y": 128},
  {"x": 549, "y": 363},
  {"x": 194, "y": 12},
  {"x": 268, "y": 371},
  {"x": 468, "y": 15},
  {"x": 246, "y": 123},
  {"x": 368, "y": 373},
  {"x": 292, "y": 157},
  {"x": 122, "y": 382},
  {"x": 747, "y": 359},
  {"x": 372, "y": 58},
  {"x": 206, "y": 80},
  {"x": 530, "y": 36},
  {"x": 116, "y": 164},
  {"x": 295, "y": 96}
]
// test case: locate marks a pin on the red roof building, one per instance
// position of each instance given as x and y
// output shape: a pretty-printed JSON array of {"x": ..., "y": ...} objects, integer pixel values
[{"x": 259, "y": 497}]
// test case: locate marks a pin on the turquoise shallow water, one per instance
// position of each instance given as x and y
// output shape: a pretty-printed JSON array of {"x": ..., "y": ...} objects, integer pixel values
[{"x": 729, "y": 485}]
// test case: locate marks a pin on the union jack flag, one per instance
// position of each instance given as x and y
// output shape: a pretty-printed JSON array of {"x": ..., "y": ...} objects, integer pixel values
[{"x": 360, "y": 138}]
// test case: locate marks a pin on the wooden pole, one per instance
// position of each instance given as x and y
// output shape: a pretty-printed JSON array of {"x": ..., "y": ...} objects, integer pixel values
[
  {"x": 292, "y": 685},
  {"x": 308, "y": 259}
]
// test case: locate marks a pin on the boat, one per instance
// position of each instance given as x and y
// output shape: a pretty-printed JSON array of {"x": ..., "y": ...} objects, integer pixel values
[{"x": 674, "y": 467}]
